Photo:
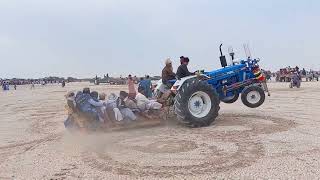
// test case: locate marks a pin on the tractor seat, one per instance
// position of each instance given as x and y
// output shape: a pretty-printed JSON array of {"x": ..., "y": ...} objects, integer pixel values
[{"x": 172, "y": 81}]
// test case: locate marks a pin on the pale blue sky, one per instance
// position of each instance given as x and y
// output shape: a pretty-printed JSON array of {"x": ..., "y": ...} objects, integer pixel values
[{"x": 83, "y": 38}]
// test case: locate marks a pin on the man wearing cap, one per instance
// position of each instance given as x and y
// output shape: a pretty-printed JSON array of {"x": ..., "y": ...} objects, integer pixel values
[
  {"x": 183, "y": 68},
  {"x": 167, "y": 73}
]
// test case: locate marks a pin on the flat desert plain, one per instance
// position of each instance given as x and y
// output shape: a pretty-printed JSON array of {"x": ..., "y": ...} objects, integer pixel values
[{"x": 279, "y": 140}]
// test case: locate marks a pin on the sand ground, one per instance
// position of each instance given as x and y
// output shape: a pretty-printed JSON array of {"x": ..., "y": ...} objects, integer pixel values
[{"x": 280, "y": 140}]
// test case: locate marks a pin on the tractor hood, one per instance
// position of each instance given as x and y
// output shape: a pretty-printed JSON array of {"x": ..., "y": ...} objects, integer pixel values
[{"x": 225, "y": 70}]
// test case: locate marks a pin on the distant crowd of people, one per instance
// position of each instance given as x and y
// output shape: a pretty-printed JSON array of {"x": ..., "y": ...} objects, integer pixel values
[
  {"x": 288, "y": 72},
  {"x": 5, "y": 85},
  {"x": 297, "y": 70}
]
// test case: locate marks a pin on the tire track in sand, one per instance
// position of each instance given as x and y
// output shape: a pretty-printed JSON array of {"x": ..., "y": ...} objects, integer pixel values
[
  {"x": 23, "y": 147},
  {"x": 178, "y": 151}
]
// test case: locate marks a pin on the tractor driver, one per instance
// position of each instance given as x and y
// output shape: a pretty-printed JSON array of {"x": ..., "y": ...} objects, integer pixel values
[{"x": 183, "y": 68}]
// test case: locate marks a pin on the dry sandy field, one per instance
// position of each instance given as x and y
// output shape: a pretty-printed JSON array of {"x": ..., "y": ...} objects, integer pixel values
[{"x": 279, "y": 140}]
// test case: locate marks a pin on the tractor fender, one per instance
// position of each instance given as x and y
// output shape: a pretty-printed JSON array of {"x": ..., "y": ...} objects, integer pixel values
[{"x": 178, "y": 84}]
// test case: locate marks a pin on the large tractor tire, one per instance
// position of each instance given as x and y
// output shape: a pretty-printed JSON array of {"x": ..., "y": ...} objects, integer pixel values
[
  {"x": 253, "y": 96},
  {"x": 197, "y": 103}
]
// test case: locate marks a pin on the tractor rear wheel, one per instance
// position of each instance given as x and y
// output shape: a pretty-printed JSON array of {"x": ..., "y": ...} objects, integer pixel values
[
  {"x": 197, "y": 103},
  {"x": 253, "y": 96}
]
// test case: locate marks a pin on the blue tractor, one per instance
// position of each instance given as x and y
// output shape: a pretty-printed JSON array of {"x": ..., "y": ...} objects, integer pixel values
[{"x": 197, "y": 98}]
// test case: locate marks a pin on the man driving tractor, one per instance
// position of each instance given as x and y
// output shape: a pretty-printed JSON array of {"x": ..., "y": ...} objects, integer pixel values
[{"x": 183, "y": 68}]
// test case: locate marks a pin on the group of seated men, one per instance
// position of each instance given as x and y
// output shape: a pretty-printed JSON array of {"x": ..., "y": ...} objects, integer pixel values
[{"x": 91, "y": 110}]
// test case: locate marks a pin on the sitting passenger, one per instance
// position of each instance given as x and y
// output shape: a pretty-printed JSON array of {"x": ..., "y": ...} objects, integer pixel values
[
  {"x": 103, "y": 117},
  {"x": 123, "y": 103},
  {"x": 167, "y": 73},
  {"x": 144, "y": 104},
  {"x": 112, "y": 104},
  {"x": 71, "y": 122},
  {"x": 106, "y": 108},
  {"x": 86, "y": 104},
  {"x": 71, "y": 102},
  {"x": 120, "y": 109},
  {"x": 94, "y": 95}
]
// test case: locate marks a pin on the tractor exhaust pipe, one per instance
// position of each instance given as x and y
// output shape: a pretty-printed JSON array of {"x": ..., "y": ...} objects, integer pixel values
[
  {"x": 223, "y": 59},
  {"x": 220, "y": 50}
]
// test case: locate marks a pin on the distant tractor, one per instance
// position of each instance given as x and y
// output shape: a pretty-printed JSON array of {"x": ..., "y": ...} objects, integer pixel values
[
  {"x": 196, "y": 98},
  {"x": 285, "y": 74}
]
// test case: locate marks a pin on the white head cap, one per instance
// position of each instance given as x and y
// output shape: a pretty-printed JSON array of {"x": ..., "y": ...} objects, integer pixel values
[
  {"x": 112, "y": 97},
  {"x": 168, "y": 61}
]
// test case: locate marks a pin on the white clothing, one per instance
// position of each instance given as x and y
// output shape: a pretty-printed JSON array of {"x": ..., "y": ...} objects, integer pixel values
[
  {"x": 117, "y": 114},
  {"x": 144, "y": 103}
]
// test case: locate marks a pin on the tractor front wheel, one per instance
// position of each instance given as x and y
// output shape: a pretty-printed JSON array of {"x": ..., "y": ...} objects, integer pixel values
[{"x": 253, "y": 96}]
